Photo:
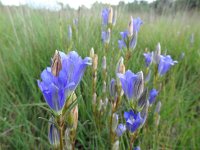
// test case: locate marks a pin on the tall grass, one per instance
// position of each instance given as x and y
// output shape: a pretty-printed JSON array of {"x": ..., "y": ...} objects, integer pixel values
[{"x": 28, "y": 39}]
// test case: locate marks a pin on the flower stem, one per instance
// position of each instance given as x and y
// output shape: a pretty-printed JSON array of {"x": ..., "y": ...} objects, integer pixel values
[{"x": 61, "y": 139}]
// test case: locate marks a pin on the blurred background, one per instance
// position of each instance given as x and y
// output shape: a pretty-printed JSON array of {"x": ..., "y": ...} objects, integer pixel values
[{"x": 30, "y": 32}]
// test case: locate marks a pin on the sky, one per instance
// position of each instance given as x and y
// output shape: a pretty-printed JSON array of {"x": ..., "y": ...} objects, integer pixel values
[{"x": 52, "y": 4}]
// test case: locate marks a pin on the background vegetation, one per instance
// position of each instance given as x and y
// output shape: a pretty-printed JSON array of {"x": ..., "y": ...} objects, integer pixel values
[{"x": 29, "y": 37}]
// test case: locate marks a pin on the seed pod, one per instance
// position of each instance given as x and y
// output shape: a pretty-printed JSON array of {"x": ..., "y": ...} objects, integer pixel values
[
  {"x": 56, "y": 65},
  {"x": 158, "y": 107}
]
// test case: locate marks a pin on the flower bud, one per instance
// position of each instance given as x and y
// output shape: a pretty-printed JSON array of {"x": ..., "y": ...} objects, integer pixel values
[
  {"x": 104, "y": 87},
  {"x": 139, "y": 85},
  {"x": 120, "y": 130},
  {"x": 110, "y": 15},
  {"x": 158, "y": 106},
  {"x": 130, "y": 27},
  {"x": 157, "y": 121},
  {"x": 92, "y": 52},
  {"x": 156, "y": 54},
  {"x": 116, "y": 145},
  {"x": 95, "y": 61},
  {"x": 69, "y": 33},
  {"x": 114, "y": 18},
  {"x": 56, "y": 65},
  {"x": 115, "y": 118},
  {"x": 143, "y": 98},
  {"x": 112, "y": 87},
  {"x": 100, "y": 105},
  {"x": 53, "y": 133},
  {"x": 75, "y": 116},
  {"x": 104, "y": 63},
  {"x": 120, "y": 66},
  {"x": 94, "y": 100},
  {"x": 67, "y": 139}
]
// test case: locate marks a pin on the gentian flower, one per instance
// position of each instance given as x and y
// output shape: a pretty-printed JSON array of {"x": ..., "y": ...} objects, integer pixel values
[
  {"x": 132, "y": 84},
  {"x": 58, "y": 84},
  {"x": 120, "y": 130},
  {"x": 133, "y": 120},
  {"x": 108, "y": 17},
  {"x": 165, "y": 64},
  {"x": 129, "y": 37},
  {"x": 152, "y": 96},
  {"x": 53, "y": 133},
  {"x": 148, "y": 58},
  {"x": 105, "y": 36}
]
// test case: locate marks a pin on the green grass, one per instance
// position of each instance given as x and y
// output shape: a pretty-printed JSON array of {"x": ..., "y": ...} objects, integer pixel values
[{"x": 28, "y": 39}]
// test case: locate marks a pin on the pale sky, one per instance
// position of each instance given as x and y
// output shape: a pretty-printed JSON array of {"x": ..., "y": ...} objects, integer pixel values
[{"x": 52, "y": 4}]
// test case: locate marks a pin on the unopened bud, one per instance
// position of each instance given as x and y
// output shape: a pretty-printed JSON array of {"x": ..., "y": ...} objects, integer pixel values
[
  {"x": 112, "y": 87},
  {"x": 67, "y": 139},
  {"x": 104, "y": 63},
  {"x": 115, "y": 119},
  {"x": 95, "y": 61},
  {"x": 53, "y": 133},
  {"x": 139, "y": 85},
  {"x": 69, "y": 33},
  {"x": 156, "y": 54},
  {"x": 158, "y": 107},
  {"x": 104, "y": 87},
  {"x": 130, "y": 27},
  {"x": 56, "y": 65},
  {"x": 94, "y": 100},
  {"x": 110, "y": 15},
  {"x": 92, "y": 52},
  {"x": 143, "y": 98},
  {"x": 157, "y": 121},
  {"x": 116, "y": 145},
  {"x": 100, "y": 105},
  {"x": 114, "y": 18},
  {"x": 120, "y": 66},
  {"x": 75, "y": 116}
]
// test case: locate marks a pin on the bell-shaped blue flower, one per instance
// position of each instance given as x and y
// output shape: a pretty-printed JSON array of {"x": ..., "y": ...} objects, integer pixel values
[
  {"x": 165, "y": 64},
  {"x": 152, "y": 96},
  {"x": 105, "y": 14},
  {"x": 133, "y": 120},
  {"x": 132, "y": 84},
  {"x": 57, "y": 88},
  {"x": 137, "y": 148},
  {"x": 105, "y": 36}
]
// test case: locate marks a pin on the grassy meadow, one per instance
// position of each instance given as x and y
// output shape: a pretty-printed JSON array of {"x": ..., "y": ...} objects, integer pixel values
[{"x": 28, "y": 39}]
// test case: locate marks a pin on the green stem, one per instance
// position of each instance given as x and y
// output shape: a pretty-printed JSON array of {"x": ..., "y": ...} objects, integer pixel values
[{"x": 61, "y": 139}]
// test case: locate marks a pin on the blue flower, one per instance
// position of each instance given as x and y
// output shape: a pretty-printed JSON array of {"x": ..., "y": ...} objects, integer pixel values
[
  {"x": 56, "y": 89},
  {"x": 148, "y": 58},
  {"x": 129, "y": 40},
  {"x": 120, "y": 130},
  {"x": 165, "y": 64},
  {"x": 105, "y": 14},
  {"x": 105, "y": 36},
  {"x": 152, "y": 96},
  {"x": 132, "y": 84},
  {"x": 133, "y": 120}
]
